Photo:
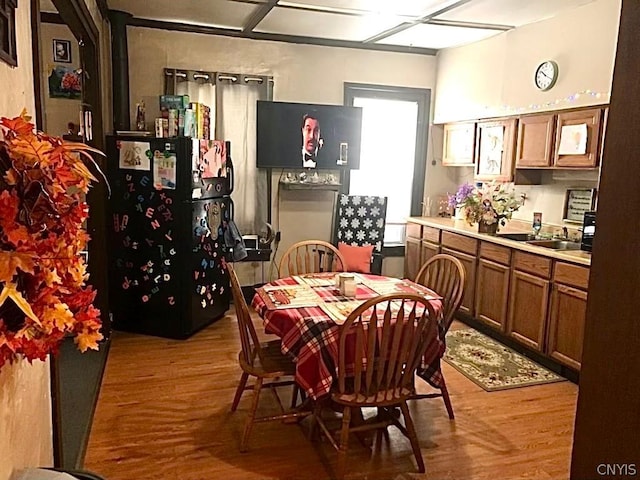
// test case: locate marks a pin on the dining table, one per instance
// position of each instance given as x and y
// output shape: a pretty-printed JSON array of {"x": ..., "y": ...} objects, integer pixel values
[{"x": 306, "y": 311}]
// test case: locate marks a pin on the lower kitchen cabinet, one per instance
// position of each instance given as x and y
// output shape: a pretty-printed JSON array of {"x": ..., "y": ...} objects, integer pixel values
[
  {"x": 428, "y": 250},
  {"x": 566, "y": 325},
  {"x": 492, "y": 293},
  {"x": 412, "y": 257},
  {"x": 469, "y": 263},
  {"x": 529, "y": 299}
]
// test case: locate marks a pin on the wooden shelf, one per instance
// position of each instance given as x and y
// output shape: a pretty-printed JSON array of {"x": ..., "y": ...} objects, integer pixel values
[{"x": 310, "y": 186}]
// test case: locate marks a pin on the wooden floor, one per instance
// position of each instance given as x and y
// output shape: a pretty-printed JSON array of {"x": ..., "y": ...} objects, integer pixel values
[{"x": 163, "y": 413}]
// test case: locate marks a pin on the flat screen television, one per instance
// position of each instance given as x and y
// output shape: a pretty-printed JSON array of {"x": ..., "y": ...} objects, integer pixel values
[{"x": 305, "y": 136}]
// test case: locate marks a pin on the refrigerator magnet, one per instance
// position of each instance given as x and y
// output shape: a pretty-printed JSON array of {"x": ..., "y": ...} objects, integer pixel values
[
  {"x": 164, "y": 171},
  {"x": 132, "y": 155},
  {"x": 196, "y": 193}
]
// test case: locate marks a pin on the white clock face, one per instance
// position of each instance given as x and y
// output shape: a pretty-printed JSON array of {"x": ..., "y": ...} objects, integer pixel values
[{"x": 546, "y": 75}]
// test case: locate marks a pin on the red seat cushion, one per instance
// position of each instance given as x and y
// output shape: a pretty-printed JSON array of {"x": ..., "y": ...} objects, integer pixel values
[{"x": 358, "y": 258}]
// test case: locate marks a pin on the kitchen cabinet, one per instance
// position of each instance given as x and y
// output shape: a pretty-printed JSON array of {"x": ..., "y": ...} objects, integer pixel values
[
  {"x": 535, "y": 141},
  {"x": 464, "y": 249},
  {"x": 459, "y": 144},
  {"x": 529, "y": 299},
  {"x": 412, "y": 257},
  {"x": 568, "y": 314},
  {"x": 492, "y": 285},
  {"x": 428, "y": 250},
  {"x": 572, "y": 128},
  {"x": 495, "y": 149}
]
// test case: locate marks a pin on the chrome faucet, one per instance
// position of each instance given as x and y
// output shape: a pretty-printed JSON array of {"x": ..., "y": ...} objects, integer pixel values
[{"x": 565, "y": 233}]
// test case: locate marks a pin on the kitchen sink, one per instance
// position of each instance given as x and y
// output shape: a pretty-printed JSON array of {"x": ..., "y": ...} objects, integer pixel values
[
  {"x": 556, "y": 244},
  {"x": 519, "y": 237}
]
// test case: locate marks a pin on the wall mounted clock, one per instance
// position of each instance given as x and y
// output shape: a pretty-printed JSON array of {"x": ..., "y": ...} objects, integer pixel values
[{"x": 546, "y": 75}]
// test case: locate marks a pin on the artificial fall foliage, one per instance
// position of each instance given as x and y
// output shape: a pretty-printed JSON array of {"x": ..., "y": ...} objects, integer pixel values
[{"x": 43, "y": 290}]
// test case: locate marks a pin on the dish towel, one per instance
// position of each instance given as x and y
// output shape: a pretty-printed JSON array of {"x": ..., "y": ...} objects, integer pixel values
[{"x": 233, "y": 241}]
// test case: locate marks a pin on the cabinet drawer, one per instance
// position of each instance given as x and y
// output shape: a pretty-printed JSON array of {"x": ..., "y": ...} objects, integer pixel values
[
  {"x": 571, "y": 274},
  {"x": 459, "y": 242},
  {"x": 534, "y": 264},
  {"x": 431, "y": 234},
  {"x": 414, "y": 230},
  {"x": 494, "y": 252}
]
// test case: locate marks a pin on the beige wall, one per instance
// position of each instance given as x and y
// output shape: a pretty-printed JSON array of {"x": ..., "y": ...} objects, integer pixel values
[
  {"x": 57, "y": 111},
  {"x": 481, "y": 79},
  {"x": 302, "y": 73},
  {"x": 494, "y": 77},
  {"x": 25, "y": 399}
]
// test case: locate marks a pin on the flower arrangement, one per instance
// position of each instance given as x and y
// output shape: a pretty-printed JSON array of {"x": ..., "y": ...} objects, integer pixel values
[
  {"x": 490, "y": 203},
  {"x": 43, "y": 291}
]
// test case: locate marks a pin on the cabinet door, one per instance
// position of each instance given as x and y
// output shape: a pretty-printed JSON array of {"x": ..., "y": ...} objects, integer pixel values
[
  {"x": 412, "y": 261},
  {"x": 529, "y": 298},
  {"x": 459, "y": 144},
  {"x": 495, "y": 150},
  {"x": 428, "y": 250},
  {"x": 578, "y": 138},
  {"x": 535, "y": 141},
  {"x": 469, "y": 263},
  {"x": 566, "y": 325},
  {"x": 492, "y": 293}
]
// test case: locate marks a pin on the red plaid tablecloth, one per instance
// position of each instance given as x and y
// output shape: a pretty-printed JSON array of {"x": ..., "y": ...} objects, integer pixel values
[{"x": 310, "y": 336}]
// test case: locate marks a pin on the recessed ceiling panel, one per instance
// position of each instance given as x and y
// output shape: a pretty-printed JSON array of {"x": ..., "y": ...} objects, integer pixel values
[
  {"x": 510, "y": 12},
  {"x": 410, "y": 8},
  {"x": 325, "y": 25},
  {"x": 215, "y": 13},
  {"x": 437, "y": 36}
]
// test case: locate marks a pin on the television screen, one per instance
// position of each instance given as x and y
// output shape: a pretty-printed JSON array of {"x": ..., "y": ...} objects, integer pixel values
[{"x": 298, "y": 135}]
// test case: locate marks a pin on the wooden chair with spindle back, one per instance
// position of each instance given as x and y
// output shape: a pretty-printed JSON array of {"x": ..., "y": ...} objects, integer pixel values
[
  {"x": 311, "y": 256},
  {"x": 445, "y": 275},
  {"x": 264, "y": 361},
  {"x": 380, "y": 346}
]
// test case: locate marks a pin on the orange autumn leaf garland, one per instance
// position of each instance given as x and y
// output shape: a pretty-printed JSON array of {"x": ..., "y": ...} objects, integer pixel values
[{"x": 43, "y": 291}]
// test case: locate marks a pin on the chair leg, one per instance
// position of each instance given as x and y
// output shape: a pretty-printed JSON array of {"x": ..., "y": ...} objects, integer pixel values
[
  {"x": 239, "y": 390},
  {"x": 447, "y": 400},
  {"x": 344, "y": 443},
  {"x": 252, "y": 414},
  {"x": 413, "y": 438}
]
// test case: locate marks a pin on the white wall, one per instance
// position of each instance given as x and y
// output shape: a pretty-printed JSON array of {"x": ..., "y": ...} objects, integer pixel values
[
  {"x": 25, "y": 399},
  {"x": 494, "y": 77},
  {"x": 302, "y": 73}
]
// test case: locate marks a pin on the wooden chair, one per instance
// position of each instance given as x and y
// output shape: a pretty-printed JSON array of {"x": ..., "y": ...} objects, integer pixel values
[
  {"x": 445, "y": 275},
  {"x": 377, "y": 359},
  {"x": 263, "y": 361},
  {"x": 311, "y": 256}
]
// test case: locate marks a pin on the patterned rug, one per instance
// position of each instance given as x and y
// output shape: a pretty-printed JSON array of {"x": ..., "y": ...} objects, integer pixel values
[{"x": 490, "y": 364}]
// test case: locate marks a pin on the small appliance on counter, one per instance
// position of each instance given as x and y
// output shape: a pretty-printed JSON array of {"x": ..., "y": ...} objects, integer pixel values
[{"x": 588, "y": 231}]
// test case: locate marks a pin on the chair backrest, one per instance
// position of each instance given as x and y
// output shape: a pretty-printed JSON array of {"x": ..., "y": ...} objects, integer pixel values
[
  {"x": 381, "y": 344},
  {"x": 445, "y": 275},
  {"x": 248, "y": 336},
  {"x": 311, "y": 256},
  {"x": 360, "y": 213}
]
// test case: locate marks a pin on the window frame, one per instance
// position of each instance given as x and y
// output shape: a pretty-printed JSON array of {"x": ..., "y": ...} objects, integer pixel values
[
  {"x": 8, "y": 12},
  {"x": 422, "y": 96}
]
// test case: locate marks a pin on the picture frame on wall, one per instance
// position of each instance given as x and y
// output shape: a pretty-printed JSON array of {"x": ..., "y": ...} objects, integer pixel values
[{"x": 61, "y": 51}]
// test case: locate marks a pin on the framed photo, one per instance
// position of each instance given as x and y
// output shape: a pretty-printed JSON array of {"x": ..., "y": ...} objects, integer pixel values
[{"x": 61, "y": 51}]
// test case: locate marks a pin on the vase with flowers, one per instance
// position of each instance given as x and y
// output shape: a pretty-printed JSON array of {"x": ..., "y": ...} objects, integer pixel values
[
  {"x": 488, "y": 204},
  {"x": 43, "y": 291}
]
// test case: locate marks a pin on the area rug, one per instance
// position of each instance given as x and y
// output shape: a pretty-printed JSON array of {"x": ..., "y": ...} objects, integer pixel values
[{"x": 490, "y": 364}]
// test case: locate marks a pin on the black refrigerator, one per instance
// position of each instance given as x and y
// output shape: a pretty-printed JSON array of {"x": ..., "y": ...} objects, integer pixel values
[{"x": 168, "y": 209}]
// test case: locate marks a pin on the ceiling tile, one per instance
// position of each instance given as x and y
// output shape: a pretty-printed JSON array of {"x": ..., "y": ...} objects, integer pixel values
[
  {"x": 410, "y": 8},
  {"x": 437, "y": 36},
  {"x": 325, "y": 25},
  {"x": 215, "y": 13},
  {"x": 510, "y": 12}
]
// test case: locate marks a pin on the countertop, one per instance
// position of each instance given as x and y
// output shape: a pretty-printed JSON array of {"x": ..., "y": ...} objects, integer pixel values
[{"x": 580, "y": 257}]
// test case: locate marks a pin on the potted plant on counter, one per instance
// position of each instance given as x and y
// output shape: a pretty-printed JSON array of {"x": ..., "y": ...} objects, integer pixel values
[{"x": 488, "y": 204}]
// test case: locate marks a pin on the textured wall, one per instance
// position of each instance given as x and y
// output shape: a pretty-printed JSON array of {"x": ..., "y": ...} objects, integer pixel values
[{"x": 25, "y": 399}]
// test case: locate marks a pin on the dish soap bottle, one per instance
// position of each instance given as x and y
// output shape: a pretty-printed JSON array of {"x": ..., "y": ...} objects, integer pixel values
[{"x": 537, "y": 223}]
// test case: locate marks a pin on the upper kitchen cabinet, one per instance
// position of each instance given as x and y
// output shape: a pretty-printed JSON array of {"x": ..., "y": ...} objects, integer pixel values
[
  {"x": 459, "y": 142},
  {"x": 536, "y": 140},
  {"x": 578, "y": 138},
  {"x": 495, "y": 149}
]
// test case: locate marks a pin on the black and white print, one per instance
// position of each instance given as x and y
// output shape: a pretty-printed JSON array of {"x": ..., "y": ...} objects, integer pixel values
[{"x": 361, "y": 220}]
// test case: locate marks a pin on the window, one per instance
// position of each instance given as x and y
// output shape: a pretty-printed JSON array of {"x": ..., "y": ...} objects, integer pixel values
[
  {"x": 8, "y": 51},
  {"x": 393, "y": 152}
]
